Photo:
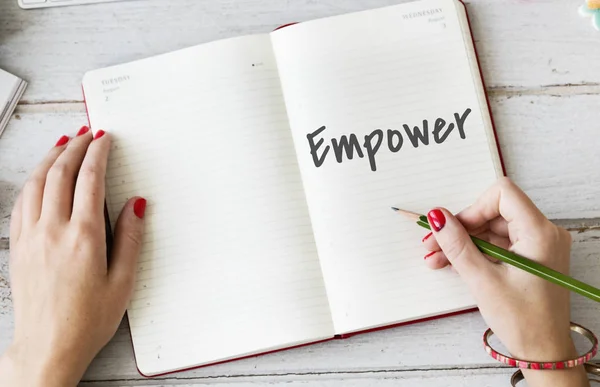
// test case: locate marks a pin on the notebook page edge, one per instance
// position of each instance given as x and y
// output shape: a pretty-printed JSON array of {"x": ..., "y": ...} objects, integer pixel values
[
  {"x": 259, "y": 352},
  {"x": 407, "y": 321},
  {"x": 494, "y": 146}
]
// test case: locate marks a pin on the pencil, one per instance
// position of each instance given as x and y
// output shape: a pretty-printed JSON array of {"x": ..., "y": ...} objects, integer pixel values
[{"x": 518, "y": 261}]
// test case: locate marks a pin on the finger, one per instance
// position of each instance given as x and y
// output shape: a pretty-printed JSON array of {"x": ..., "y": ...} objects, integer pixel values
[
  {"x": 33, "y": 191},
  {"x": 495, "y": 239},
  {"x": 88, "y": 202},
  {"x": 499, "y": 226},
  {"x": 60, "y": 183},
  {"x": 430, "y": 243},
  {"x": 127, "y": 246},
  {"x": 486, "y": 233},
  {"x": 504, "y": 199},
  {"x": 15, "y": 220},
  {"x": 458, "y": 247},
  {"x": 436, "y": 260}
]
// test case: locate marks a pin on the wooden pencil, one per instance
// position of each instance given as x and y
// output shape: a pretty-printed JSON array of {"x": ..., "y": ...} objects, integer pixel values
[{"x": 518, "y": 261}]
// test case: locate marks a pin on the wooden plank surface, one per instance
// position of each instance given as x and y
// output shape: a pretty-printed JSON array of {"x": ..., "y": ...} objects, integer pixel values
[
  {"x": 537, "y": 59},
  {"x": 446, "y": 378},
  {"x": 450, "y": 343},
  {"x": 521, "y": 44}
]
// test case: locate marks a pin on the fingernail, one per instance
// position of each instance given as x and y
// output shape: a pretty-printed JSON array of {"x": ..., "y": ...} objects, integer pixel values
[
  {"x": 62, "y": 141},
  {"x": 437, "y": 220},
  {"x": 429, "y": 255},
  {"x": 99, "y": 134},
  {"x": 426, "y": 237},
  {"x": 84, "y": 129},
  {"x": 139, "y": 208}
]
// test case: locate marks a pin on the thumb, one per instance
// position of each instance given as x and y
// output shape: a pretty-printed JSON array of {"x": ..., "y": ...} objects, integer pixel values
[
  {"x": 458, "y": 247},
  {"x": 127, "y": 244}
]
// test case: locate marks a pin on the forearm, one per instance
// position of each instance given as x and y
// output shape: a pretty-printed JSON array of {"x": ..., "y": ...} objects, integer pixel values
[
  {"x": 17, "y": 368},
  {"x": 572, "y": 377}
]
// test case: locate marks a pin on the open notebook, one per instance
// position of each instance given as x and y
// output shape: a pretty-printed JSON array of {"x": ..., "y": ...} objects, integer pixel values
[{"x": 270, "y": 163}]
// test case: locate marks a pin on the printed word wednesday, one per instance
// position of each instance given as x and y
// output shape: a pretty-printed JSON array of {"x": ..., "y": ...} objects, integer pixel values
[{"x": 373, "y": 141}]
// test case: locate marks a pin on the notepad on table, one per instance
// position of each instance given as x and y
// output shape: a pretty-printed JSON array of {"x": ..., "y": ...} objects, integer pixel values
[
  {"x": 11, "y": 90},
  {"x": 270, "y": 163}
]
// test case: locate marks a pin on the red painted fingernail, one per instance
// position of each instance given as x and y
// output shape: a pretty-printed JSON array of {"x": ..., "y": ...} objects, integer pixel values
[
  {"x": 139, "y": 208},
  {"x": 62, "y": 141},
  {"x": 84, "y": 129},
  {"x": 426, "y": 237},
  {"x": 429, "y": 255},
  {"x": 99, "y": 134},
  {"x": 437, "y": 220}
]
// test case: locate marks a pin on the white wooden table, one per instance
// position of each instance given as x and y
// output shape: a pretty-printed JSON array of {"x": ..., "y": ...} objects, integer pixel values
[{"x": 541, "y": 65}]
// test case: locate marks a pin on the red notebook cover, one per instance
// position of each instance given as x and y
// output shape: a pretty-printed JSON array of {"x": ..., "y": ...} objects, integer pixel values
[{"x": 343, "y": 336}]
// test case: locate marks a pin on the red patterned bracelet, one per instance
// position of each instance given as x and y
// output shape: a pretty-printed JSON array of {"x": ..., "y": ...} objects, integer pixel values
[{"x": 545, "y": 365}]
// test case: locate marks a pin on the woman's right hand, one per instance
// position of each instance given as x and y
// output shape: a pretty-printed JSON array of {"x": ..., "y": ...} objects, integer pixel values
[{"x": 530, "y": 316}]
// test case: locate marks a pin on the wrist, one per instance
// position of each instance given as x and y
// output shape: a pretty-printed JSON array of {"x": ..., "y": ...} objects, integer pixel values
[
  {"x": 557, "y": 349},
  {"x": 21, "y": 367},
  {"x": 546, "y": 349}
]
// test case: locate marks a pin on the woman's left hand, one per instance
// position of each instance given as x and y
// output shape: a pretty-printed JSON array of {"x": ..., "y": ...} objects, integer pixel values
[{"x": 68, "y": 298}]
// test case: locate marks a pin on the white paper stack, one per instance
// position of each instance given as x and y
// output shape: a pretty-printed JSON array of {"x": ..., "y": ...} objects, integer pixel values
[{"x": 11, "y": 90}]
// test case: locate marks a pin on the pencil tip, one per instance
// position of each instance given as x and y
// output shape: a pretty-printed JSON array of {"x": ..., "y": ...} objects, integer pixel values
[{"x": 408, "y": 214}]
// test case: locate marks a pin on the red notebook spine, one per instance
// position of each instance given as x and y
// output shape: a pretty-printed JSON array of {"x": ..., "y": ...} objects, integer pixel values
[{"x": 285, "y": 25}]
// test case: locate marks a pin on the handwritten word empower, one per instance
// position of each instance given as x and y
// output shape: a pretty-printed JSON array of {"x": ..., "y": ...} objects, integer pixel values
[{"x": 374, "y": 140}]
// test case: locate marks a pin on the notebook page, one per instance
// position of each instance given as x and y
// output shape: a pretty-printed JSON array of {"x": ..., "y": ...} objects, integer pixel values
[
  {"x": 229, "y": 264},
  {"x": 367, "y": 74}
]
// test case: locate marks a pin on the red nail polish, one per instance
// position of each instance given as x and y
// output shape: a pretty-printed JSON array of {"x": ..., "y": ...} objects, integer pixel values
[
  {"x": 139, "y": 208},
  {"x": 429, "y": 255},
  {"x": 426, "y": 237},
  {"x": 84, "y": 129},
  {"x": 99, "y": 134},
  {"x": 62, "y": 141},
  {"x": 437, "y": 220}
]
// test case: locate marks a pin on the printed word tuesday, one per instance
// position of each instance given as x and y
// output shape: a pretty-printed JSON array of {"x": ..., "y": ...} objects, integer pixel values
[{"x": 350, "y": 145}]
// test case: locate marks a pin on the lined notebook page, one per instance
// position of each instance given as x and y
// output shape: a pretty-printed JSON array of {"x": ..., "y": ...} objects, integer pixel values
[
  {"x": 229, "y": 264},
  {"x": 373, "y": 70}
]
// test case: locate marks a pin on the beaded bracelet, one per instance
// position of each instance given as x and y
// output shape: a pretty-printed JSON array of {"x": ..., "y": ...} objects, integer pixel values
[{"x": 545, "y": 365}]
